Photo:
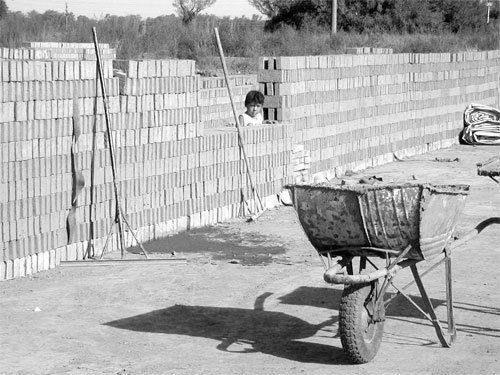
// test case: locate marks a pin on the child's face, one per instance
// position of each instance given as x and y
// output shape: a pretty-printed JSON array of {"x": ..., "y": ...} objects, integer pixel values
[{"x": 253, "y": 109}]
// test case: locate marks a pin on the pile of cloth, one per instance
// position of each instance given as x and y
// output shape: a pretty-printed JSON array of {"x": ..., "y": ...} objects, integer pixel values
[{"x": 481, "y": 125}]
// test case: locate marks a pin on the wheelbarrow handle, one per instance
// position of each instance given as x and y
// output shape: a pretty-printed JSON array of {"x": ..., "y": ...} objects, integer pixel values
[
  {"x": 473, "y": 232},
  {"x": 336, "y": 274}
]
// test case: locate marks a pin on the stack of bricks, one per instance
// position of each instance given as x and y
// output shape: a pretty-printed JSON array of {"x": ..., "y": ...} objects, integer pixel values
[
  {"x": 214, "y": 98},
  {"x": 354, "y": 111},
  {"x": 170, "y": 175},
  {"x": 301, "y": 164},
  {"x": 159, "y": 99},
  {"x": 36, "y": 129},
  {"x": 367, "y": 50},
  {"x": 58, "y": 51},
  {"x": 201, "y": 179}
]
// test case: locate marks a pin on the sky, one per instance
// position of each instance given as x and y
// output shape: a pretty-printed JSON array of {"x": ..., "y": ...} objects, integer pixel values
[{"x": 145, "y": 8}]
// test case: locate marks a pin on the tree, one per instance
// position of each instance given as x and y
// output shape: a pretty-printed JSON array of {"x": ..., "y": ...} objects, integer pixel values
[
  {"x": 189, "y": 9},
  {"x": 269, "y": 8},
  {"x": 300, "y": 14},
  {"x": 3, "y": 9}
]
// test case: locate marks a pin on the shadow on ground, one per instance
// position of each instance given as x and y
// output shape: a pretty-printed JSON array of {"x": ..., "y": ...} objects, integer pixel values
[
  {"x": 275, "y": 333},
  {"x": 329, "y": 298},
  {"x": 220, "y": 243},
  {"x": 239, "y": 331},
  {"x": 399, "y": 309}
]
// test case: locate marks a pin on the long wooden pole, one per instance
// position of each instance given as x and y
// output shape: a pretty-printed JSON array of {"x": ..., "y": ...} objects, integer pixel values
[
  {"x": 118, "y": 216},
  {"x": 240, "y": 139}
]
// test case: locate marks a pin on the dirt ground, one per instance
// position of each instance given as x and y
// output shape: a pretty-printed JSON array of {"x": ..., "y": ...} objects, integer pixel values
[{"x": 251, "y": 300}]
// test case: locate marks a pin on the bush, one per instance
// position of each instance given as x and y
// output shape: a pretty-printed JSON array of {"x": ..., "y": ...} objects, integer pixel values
[{"x": 167, "y": 37}]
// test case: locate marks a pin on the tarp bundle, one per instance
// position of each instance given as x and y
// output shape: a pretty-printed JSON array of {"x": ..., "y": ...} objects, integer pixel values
[{"x": 481, "y": 125}]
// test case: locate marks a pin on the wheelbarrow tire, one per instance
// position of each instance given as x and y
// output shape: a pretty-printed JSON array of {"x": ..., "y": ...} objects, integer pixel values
[{"x": 360, "y": 337}]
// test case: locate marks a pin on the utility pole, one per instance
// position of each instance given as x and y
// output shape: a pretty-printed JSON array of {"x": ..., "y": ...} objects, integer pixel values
[
  {"x": 489, "y": 4},
  {"x": 334, "y": 17},
  {"x": 66, "y": 20}
]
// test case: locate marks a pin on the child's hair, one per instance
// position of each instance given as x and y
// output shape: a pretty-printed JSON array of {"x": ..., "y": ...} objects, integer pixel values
[{"x": 254, "y": 97}]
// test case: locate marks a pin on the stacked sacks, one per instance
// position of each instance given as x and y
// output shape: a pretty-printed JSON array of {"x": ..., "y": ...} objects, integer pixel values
[{"x": 481, "y": 125}]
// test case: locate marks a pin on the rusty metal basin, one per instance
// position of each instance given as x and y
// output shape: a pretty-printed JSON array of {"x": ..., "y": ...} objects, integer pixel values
[{"x": 388, "y": 216}]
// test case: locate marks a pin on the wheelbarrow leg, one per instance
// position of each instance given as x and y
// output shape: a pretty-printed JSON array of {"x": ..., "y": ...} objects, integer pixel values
[
  {"x": 430, "y": 308},
  {"x": 452, "y": 331}
]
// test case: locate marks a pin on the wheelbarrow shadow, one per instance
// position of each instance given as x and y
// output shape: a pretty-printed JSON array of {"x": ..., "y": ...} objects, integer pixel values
[
  {"x": 400, "y": 309},
  {"x": 240, "y": 330},
  {"x": 329, "y": 298}
]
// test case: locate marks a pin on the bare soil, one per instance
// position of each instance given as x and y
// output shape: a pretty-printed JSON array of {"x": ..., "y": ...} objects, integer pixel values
[{"x": 251, "y": 300}]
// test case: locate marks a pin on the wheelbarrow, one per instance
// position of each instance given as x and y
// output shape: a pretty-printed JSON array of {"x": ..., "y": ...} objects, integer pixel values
[{"x": 384, "y": 228}]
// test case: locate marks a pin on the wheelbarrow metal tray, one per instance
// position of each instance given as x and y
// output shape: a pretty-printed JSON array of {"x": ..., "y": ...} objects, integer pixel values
[{"x": 385, "y": 216}]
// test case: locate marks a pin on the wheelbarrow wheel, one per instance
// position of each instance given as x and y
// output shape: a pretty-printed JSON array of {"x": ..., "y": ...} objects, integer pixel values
[{"x": 360, "y": 331}]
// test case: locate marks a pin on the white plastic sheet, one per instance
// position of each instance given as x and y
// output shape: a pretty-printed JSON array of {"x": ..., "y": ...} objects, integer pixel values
[{"x": 481, "y": 125}]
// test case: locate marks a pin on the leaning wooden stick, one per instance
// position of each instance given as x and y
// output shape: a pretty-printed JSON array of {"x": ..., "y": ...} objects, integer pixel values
[{"x": 240, "y": 139}]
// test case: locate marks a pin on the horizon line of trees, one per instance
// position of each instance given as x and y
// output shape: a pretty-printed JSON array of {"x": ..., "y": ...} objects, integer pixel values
[{"x": 295, "y": 26}]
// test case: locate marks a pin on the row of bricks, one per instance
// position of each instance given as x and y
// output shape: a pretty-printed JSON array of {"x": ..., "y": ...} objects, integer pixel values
[
  {"x": 338, "y": 103},
  {"x": 37, "y": 223},
  {"x": 403, "y": 74},
  {"x": 60, "y": 143},
  {"x": 59, "y": 127},
  {"x": 32, "y": 53},
  {"x": 159, "y": 85},
  {"x": 17, "y": 264},
  {"x": 157, "y": 102},
  {"x": 295, "y": 113},
  {"x": 332, "y": 61},
  {"x": 56, "y": 221},
  {"x": 155, "y": 68},
  {"x": 357, "y": 117},
  {"x": 340, "y": 138},
  {"x": 367, "y": 128},
  {"x": 383, "y": 69},
  {"x": 32, "y": 226},
  {"x": 330, "y": 89},
  {"x": 207, "y": 96},
  {"x": 364, "y": 50},
  {"x": 55, "y": 109},
  {"x": 150, "y": 223},
  {"x": 42, "y": 147},
  {"x": 54, "y": 90},
  {"x": 67, "y": 45},
  {"x": 132, "y": 120},
  {"x": 337, "y": 143},
  {"x": 38, "y": 196},
  {"x": 223, "y": 110},
  {"x": 387, "y": 148},
  {"x": 48, "y": 171},
  {"x": 163, "y": 198},
  {"x": 234, "y": 81},
  {"x": 32, "y": 196},
  {"x": 344, "y": 134},
  {"x": 370, "y": 83},
  {"x": 28, "y": 265},
  {"x": 34, "y": 70}
]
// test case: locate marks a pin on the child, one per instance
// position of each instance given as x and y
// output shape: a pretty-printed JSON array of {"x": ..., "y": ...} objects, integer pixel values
[{"x": 253, "y": 102}]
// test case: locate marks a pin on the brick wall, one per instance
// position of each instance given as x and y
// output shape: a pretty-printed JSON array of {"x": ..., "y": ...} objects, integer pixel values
[
  {"x": 172, "y": 173},
  {"x": 178, "y": 163},
  {"x": 352, "y": 111}
]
